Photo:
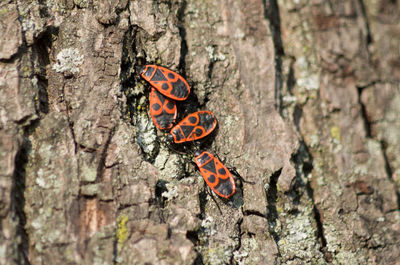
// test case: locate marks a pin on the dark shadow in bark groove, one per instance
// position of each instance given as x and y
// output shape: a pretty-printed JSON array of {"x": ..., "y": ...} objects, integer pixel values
[
  {"x": 240, "y": 234},
  {"x": 304, "y": 165},
  {"x": 271, "y": 13},
  {"x": 43, "y": 9},
  {"x": 190, "y": 105},
  {"x": 320, "y": 228},
  {"x": 126, "y": 77},
  {"x": 256, "y": 213},
  {"x": 18, "y": 201},
  {"x": 297, "y": 114},
  {"x": 366, "y": 21},
  {"x": 159, "y": 190},
  {"x": 303, "y": 162},
  {"x": 291, "y": 79},
  {"x": 101, "y": 165},
  {"x": 368, "y": 130},
  {"x": 198, "y": 260},
  {"x": 272, "y": 212},
  {"x": 193, "y": 236},
  {"x": 367, "y": 123},
  {"x": 182, "y": 34},
  {"x": 41, "y": 49},
  {"x": 203, "y": 203},
  {"x": 115, "y": 245}
]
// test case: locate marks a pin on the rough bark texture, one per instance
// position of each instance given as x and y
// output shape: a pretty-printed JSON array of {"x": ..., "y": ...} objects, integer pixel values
[{"x": 307, "y": 97}]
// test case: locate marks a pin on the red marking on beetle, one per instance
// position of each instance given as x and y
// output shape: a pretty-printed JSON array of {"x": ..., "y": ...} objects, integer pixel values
[
  {"x": 193, "y": 127},
  {"x": 215, "y": 174},
  {"x": 167, "y": 82},
  {"x": 162, "y": 110}
]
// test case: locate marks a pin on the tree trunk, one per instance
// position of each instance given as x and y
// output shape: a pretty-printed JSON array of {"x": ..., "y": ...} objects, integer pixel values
[{"x": 307, "y": 98}]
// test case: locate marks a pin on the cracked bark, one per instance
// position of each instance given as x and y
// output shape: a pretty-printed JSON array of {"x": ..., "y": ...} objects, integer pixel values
[{"x": 306, "y": 95}]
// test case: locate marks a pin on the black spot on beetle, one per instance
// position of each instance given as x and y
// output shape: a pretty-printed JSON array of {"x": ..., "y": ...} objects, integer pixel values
[
  {"x": 165, "y": 86},
  {"x": 211, "y": 178},
  {"x": 192, "y": 119},
  {"x": 170, "y": 105},
  {"x": 222, "y": 171},
  {"x": 156, "y": 106},
  {"x": 198, "y": 132}
]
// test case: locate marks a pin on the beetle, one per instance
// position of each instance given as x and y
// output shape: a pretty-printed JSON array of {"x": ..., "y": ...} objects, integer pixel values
[
  {"x": 163, "y": 110},
  {"x": 193, "y": 127},
  {"x": 215, "y": 174},
  {"x": 167, "y": 82}
]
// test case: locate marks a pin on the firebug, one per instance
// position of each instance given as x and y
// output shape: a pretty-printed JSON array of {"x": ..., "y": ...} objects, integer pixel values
[
  {"x": 162, "y": 110},
  {"x": 215, "y": 174},
  {"x": 167, "y": 82},
  {"x": 193, "y": 127}
]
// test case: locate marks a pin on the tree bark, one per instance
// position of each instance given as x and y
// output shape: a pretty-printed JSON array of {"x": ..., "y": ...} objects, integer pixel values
[{"x": 307, "y": 98}]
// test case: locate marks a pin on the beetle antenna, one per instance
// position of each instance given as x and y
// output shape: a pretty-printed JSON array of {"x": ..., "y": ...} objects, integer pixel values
[{"x": 234, "y": 172}]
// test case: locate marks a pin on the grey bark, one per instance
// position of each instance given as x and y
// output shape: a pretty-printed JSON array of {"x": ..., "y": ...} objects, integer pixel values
[{"x": 307, "y": 98}]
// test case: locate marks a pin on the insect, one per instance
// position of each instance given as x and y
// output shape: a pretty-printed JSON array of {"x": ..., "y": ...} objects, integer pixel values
[
  {"x": 193, "y": 127},
  {"x": 162, "y": 110},
  {"x": 216, "y": 175},
  {"x": 167, "y": 82}
]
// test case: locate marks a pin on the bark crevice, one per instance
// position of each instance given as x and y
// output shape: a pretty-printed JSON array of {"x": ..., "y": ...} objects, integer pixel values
[
  {"x": 303, "y": 162},
  {"x": 182, "y": 34},
  {"x": 363, "y": 9},
  {"x": 18, "y": 201},
  {"x": 103, "y": 155},
  {"x": 272, "y": 211},
  {"x": 271, "y": 13},
  {"x": 364, "y": 114}
]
